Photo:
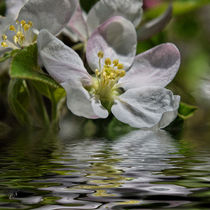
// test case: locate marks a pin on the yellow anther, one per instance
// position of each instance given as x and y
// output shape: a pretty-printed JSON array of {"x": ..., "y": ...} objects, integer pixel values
[
  {"x": 4, "y": 37},
  {"x": 115, "y": 62},
  {"x": 100, "y": 54},
  {"x": 22, "y": 22},
  {"x": 122, "y": 73},
  {"x": 120, "y": 66},
  {"x": 30, "y": 23},
  {"x": 108, "y": 61},
  {"x": 12, "y": 28},
  {"x": 4, "y": 44},
  {"x": 26, "y": 27}
]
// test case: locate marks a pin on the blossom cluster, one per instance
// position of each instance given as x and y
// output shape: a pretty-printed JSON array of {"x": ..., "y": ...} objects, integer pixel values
[{"x": 130, "y": 86}]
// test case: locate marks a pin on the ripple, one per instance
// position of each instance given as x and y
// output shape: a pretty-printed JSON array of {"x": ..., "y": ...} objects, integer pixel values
[{"x": 140, "y": 170}]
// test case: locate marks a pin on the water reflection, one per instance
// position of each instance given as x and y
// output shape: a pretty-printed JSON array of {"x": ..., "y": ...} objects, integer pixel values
[{"x": 140, "y": 170}]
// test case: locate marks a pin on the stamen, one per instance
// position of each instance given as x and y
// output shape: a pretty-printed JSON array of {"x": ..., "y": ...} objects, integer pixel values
[
  {"x": 4, "y": 37},
  {"x": 22, "y": 22},
  {"x": 122, "y": 73},
  {"x": 115, "y": 62},
  {"x": 106, "y": 77},
  {"x": 22, "y": 36},
  {"x": 12, "y": 28},
  {"x": 120, "y": 66},
  {"x": 15, "y": 39},
  {"x": 26, "y": 27},
  {"x": 30, "y": 23},
  {"x": 100, "y": 54},
  {"x": 4, "y": 44},
  {"x": 97, "y": 72},
  {"x": 108, "y": 61}
]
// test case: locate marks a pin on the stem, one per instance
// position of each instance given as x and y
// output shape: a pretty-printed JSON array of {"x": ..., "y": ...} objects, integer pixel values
[
  {"x": 78, "y": 46},
  {"x": 54, "y": 107}
]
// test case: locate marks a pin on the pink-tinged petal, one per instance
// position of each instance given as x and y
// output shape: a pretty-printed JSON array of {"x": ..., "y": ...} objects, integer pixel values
[
  {"x": 116, "y": 38},
  {"x": 157, "y": 67},
  {"x": 105, "y": 9},
  {"x": 77, "y": 24},
  {"x": 154, "y": 26},
  {"x": 81, "y": 103},
  {"x": 146, "y": 107},
  {"x": 13, "y": 7},
  {"x": 61, "y": 62},
  {"x": 52, "y": 15}
]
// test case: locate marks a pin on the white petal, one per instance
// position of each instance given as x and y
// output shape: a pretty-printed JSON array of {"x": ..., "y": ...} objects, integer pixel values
[
  {"x": 104, "y": 9},
  {"x": 61, "y": 62},
  {"x": 81, "y": 103},
  {"x": 157, "y": 67},
  {"x": 116, "y": 38},
  {"x": 4, "y": 24},
  {"x": 146, "y": 107},
  {"x": 52, "y": 15},
  {"x": 77, "y": 24},
  {"x": 13, "y": 7},
  {"x": 169, "y": 116}
]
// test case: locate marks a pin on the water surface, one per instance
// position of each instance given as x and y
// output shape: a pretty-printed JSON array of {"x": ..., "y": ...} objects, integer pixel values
[{"x": 138, "y": 170}]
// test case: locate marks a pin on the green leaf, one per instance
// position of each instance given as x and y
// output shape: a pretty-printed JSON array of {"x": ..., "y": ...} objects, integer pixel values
[
  {"x": 56, "y": 97},
  {"x": 24, "y": 66},
  {"x": 186, "y": 111},
  {"x": 27, "y": 104},
  {"x": 17, "y": 99}
]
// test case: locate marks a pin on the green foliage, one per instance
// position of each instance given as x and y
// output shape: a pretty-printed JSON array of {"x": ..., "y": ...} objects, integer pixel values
[
  {"x": 7, "y": 55},
  {"x": 24, "y": 66},
  {"x": 180, "y": 7},
  {"x": 31, "y": 90},
  {"x": 2, "y": 7},
  {"x": 18, "y": 100},
  {"x": 87, "y": 5},
  {"x": 186, "y": 111},
  {"x": 116, "y": 128},
  {"x": 4, "y": 129}
]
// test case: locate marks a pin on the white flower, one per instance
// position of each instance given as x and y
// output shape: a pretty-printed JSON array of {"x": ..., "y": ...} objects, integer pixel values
[
  {"x": 81, "y": 26},
  {"x": 136, "y": 97},
  {"x": 35, "y": 15}
]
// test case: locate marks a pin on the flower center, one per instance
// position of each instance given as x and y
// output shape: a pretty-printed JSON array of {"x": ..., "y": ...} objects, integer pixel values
[
  {"x": 105, "y": 85},
  {"x": 19, "y": 35}
]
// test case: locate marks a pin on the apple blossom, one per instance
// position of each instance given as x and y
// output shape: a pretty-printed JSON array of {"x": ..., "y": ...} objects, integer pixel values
[
  {"x": 35, "y": 15},
  {"x": 81, "y": 26},
  {"x": 136, "y": 97}
]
